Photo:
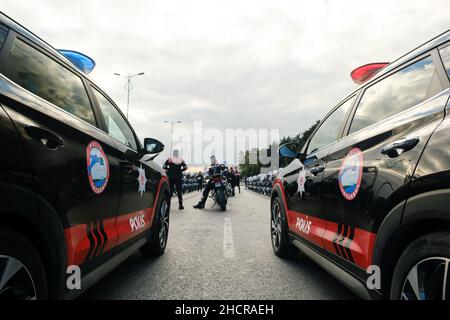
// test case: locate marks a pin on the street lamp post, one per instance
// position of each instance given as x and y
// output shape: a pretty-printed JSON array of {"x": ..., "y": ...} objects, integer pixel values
[
  {"x": 172, "y": 125},
  {"x": 129, "y": 85}
]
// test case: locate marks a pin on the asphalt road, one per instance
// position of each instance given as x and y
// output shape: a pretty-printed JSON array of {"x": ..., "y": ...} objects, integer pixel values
[{"x": 219, "y": 255}]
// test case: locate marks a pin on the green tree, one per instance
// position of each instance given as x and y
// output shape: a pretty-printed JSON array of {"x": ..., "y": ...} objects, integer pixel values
[
  {"x": 248, "y": 169},
  {"x": 300, "y": 139}
]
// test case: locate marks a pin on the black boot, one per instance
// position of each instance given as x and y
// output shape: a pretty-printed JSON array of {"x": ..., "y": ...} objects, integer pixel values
[
  {"x": 199, "y": 205},
  {"x": 180, "y": 206}
]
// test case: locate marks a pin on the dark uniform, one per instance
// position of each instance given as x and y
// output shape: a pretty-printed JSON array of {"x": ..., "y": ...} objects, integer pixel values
[
  {"x": 174, "y": 167},
  {"x": 237, "y": 180},
  {"x": 200, "y": 182}
]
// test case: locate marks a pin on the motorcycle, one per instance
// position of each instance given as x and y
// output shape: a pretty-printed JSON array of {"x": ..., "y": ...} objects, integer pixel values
[
  {"x": 219, "y": 193},
  {"x": 262, "y": 183}
]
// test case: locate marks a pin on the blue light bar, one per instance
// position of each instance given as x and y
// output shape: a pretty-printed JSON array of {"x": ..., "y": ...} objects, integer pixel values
[{"x": 81, "y": 61}]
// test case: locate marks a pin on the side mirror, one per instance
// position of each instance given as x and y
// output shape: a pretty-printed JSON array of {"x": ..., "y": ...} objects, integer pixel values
[
  {"x": 153, "y": 146},
  {"x": 289, "y": 151}
]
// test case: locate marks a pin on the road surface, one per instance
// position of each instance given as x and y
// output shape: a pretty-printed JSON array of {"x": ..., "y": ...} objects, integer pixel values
[{"x": 219, "y": 255}]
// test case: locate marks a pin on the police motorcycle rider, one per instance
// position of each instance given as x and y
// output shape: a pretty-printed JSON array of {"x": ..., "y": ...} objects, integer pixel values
[
  {"x": 209, "y": 185},
  {"x": 174, "y": 167}
]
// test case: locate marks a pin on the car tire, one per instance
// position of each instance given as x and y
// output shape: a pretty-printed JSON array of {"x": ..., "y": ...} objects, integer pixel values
[
  {"x": 425, "y": 260},
  {"x": 160, "y": 231},
  {"x": 281, "y": 245},
  {"x": 25, "y": 270}
]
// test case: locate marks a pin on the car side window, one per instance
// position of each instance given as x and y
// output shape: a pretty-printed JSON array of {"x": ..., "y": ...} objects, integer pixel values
[
  {"x": 445, "y": 55},
  {"x": 3, "y": 34},
  {"x": 117, "y": 127},
  {"x": 396, "y": 93},
  {"x": 329, "y": 130},
  {"x": 48, "y": 79}
]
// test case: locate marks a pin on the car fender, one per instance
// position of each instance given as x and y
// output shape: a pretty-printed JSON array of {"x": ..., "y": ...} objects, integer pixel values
[
  {"x": 431, "y": 205},
  {"x": 422, "y": 209},
  {"x": 163, "y": 188},
  {"x": 391, "y": 223},
  {"x": 55, "y": 238},
  {"x": 29, "y": 211},
  {"x": 278, "y": 191}
]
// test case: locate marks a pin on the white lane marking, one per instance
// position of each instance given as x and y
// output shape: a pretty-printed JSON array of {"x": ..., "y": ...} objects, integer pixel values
[{"x": 228, "y": 243}]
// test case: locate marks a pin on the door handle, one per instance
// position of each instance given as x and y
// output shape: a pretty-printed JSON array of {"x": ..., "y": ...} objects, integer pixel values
[
  {"x": 316, "y": 170},
  {"x": 396, "y": 148},
  {"x": 45, "y": 137}
]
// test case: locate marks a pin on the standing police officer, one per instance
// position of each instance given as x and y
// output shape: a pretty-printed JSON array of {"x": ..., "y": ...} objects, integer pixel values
[{"x": 174, "y": 167}]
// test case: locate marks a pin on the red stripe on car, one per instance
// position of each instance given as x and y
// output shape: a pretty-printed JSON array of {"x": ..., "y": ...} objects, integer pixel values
[
  {"x": 323, "y": 232},
  {"x": 118, "y": 230}
]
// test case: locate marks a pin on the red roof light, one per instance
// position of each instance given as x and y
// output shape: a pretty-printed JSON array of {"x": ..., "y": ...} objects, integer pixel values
[{"x": 364, "y": 73}]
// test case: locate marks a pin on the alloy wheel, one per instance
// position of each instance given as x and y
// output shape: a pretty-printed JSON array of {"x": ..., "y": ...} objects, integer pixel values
[
  {"x": 276, "y": 225},
  {"x": 427, "y": 280},
  {"x": 16, "y": 281},
  {"x": 164, "y": 224}
]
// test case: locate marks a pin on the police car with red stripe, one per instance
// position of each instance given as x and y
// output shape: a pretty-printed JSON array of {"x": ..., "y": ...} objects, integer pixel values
[
  {"x": 79, "y": 193},
  {"x": 367, "y": 197}
]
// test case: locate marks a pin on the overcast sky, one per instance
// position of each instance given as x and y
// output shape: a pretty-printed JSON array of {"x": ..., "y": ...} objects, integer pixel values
[{"x": 231, "y": 63}]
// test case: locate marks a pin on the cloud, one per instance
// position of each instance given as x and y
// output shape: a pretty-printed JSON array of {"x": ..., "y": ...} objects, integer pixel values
[{"x": 231, "y": 63}]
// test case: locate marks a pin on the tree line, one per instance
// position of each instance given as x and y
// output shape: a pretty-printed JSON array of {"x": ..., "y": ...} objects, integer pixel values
[{"x": 247, "y": 169}]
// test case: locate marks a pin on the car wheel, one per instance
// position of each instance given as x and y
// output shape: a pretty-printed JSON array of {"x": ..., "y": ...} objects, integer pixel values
[
  {"x": 421, "y": 272},
  {"x": 158, "y": 242},
  {"x": 281, "y": 245},
  {"x": 22, "y": 275}
]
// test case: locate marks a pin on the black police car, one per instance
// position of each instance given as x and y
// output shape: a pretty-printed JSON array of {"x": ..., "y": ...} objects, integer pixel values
[
  {"x": 78, "y": 191},
  {"x": 368, "y": 196}
]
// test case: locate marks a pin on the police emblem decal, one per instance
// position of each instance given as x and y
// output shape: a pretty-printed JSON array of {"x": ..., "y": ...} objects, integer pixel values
[
  {"x": 350, "y": 174},
  {"x": 97, "y": 167}
]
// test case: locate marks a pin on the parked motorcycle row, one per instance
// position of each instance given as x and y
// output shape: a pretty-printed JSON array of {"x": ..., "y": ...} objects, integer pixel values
[
  {"x": 190, "y": 182},
  {"x": 261, "y": 183}
]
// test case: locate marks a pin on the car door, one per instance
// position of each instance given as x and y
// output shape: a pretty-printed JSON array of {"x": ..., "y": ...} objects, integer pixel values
[
  {"x": 48, "y": 102},
  {"x": 368, "y": 171},
  {"x": 304, "y": 178},
  {"x": 140, "y": 178},
  {"x": 16, "y": 186}
]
